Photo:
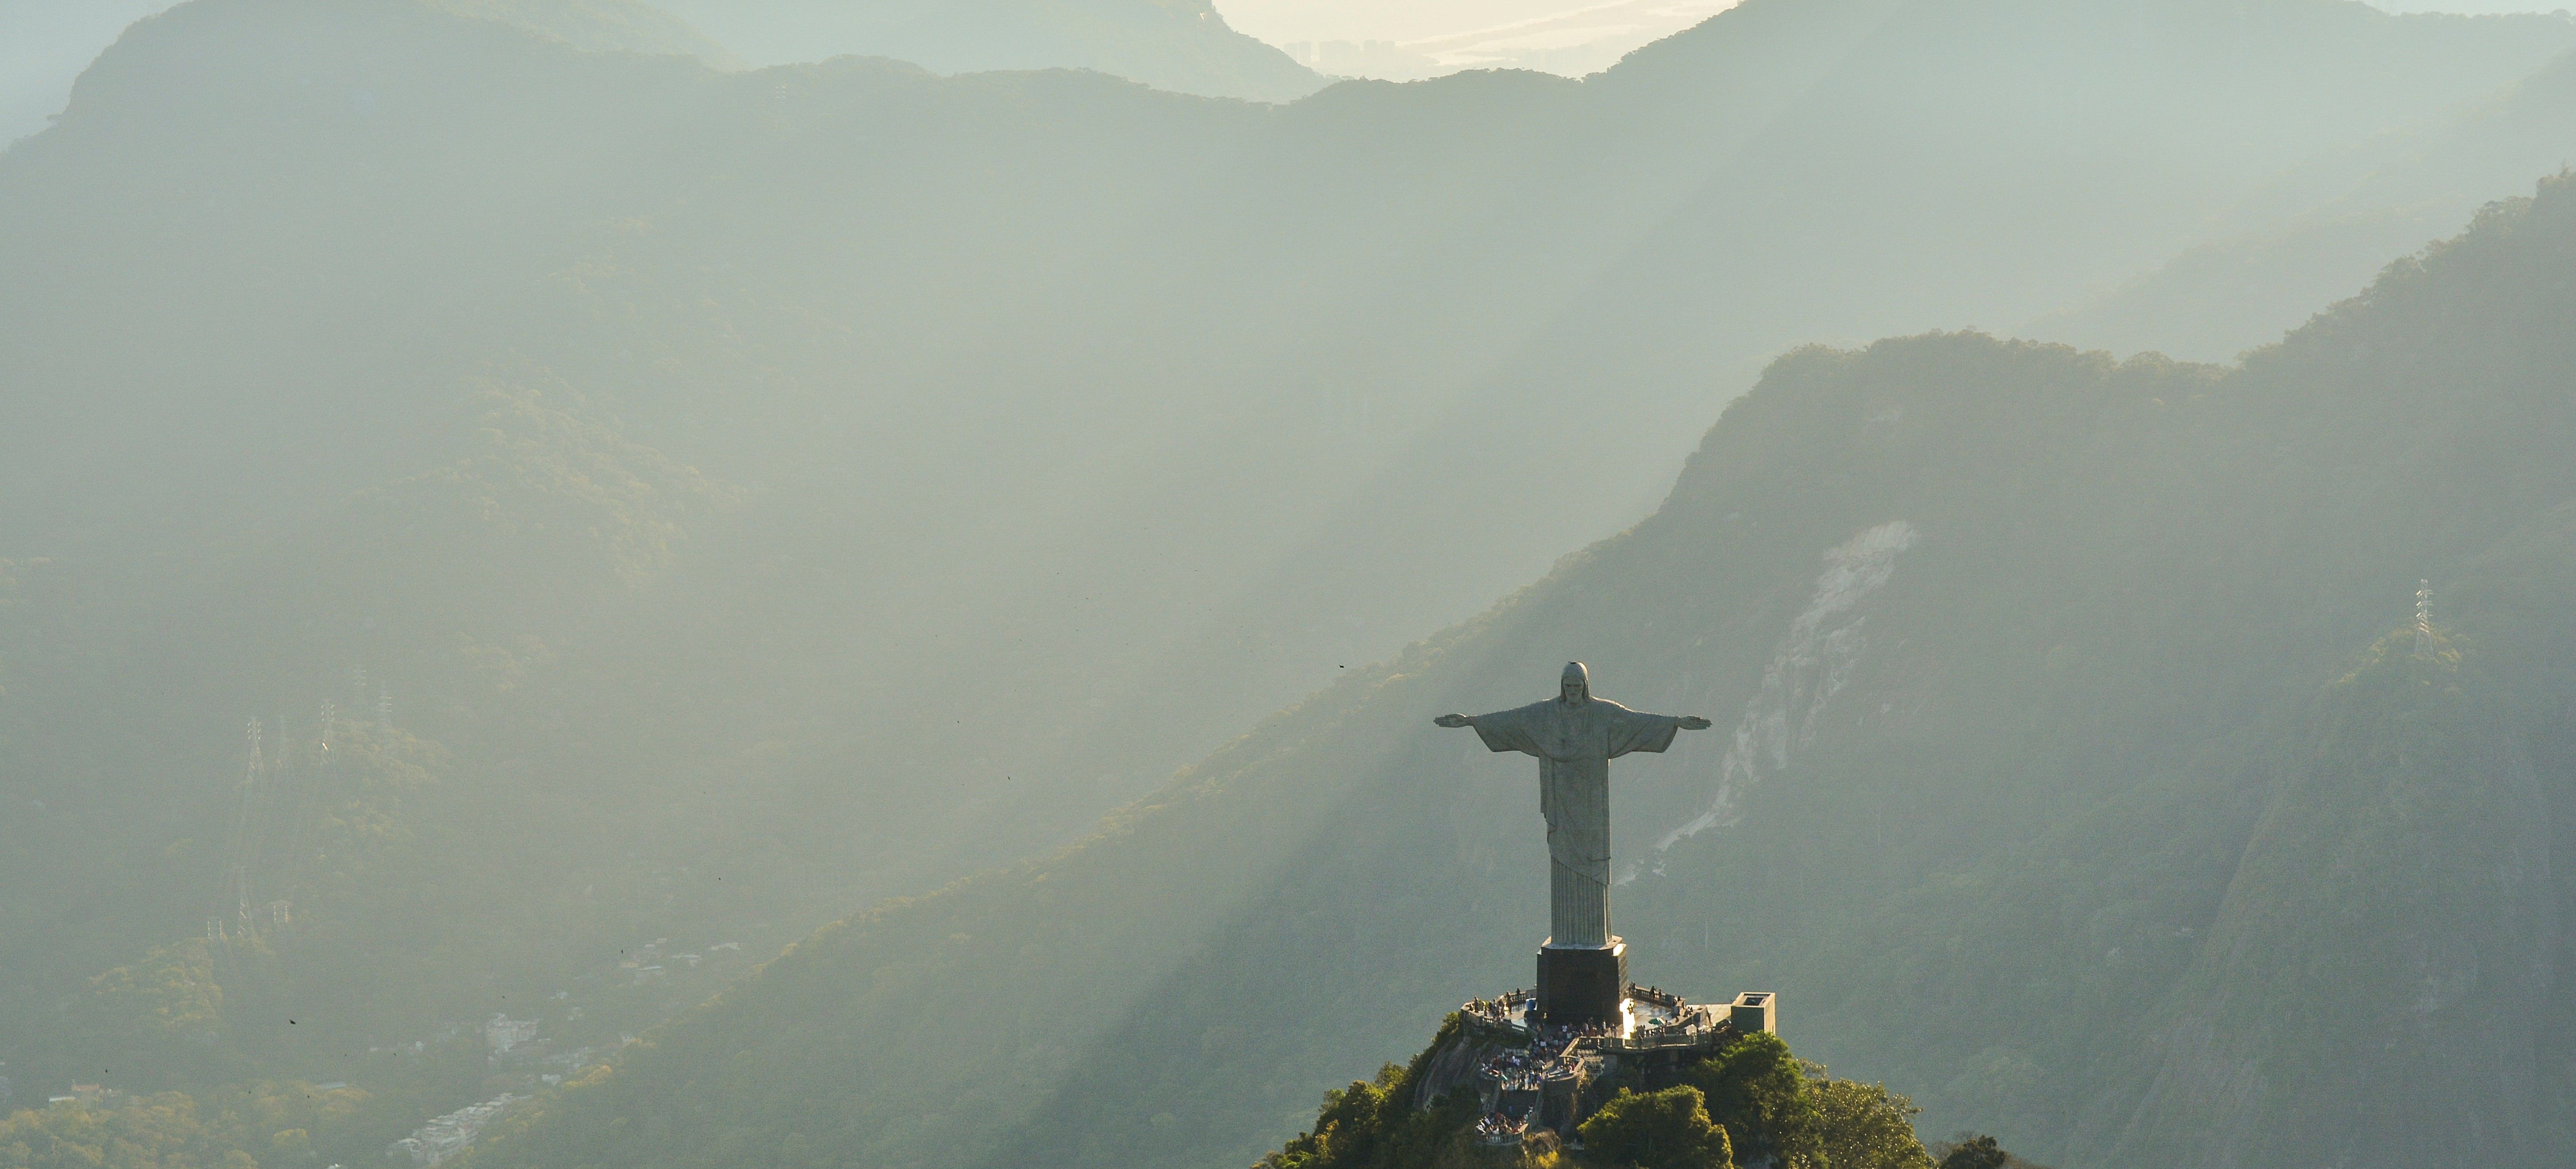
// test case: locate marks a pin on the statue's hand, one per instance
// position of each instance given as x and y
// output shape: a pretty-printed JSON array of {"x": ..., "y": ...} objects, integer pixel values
[
  {"x": 1692, "y": 722},
  {"x": 1452, "y": 721}
]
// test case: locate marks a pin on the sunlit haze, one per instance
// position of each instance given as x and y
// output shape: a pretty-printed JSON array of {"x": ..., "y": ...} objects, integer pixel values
[
  {"x": 1291, "y": 584},
  {"x": 45, "y": 43}
]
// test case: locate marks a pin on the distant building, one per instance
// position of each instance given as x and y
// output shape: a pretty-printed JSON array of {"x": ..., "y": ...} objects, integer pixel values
[
  {"x": 448, "y": 1135},
  {"x": 502, "y": 1033},
  {"x": 87, "y": 1096}
]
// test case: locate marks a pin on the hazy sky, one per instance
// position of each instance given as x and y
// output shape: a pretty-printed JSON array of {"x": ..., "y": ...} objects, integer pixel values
[
  {"x": 1282, "y": 21},
  {"x": 44, "y": 44}
]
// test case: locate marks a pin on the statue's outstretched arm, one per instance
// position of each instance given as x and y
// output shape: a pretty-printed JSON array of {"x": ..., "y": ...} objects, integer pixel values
[
  {"x": 1692, "y": 722},
  {"x": 1453, "y": 721}
]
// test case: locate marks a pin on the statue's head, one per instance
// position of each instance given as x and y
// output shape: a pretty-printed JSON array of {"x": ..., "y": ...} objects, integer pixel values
[{"x": 1577, "y": 685}]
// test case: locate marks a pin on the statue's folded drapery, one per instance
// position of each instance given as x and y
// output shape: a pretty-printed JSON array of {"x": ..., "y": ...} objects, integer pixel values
[{"x": 1575, "y": 743}]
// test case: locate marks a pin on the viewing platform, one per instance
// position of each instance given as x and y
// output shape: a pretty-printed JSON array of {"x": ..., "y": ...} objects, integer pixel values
[{"x": 1528, "y": 1072}]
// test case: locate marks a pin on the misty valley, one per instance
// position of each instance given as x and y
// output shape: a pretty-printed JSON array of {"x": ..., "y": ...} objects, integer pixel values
[{"x": 980, "y": 584}]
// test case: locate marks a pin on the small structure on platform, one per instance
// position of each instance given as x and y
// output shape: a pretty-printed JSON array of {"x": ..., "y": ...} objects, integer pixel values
[{"x": 1755, "y": 1010}]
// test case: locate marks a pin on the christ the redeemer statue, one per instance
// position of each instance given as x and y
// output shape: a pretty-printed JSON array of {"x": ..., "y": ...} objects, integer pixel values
[{"x": 1575, "y": 736}]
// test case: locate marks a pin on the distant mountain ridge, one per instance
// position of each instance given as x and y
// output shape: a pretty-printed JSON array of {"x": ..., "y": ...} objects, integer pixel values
[
  {"x": 2333, "y": 219},
  {"x": 627, "y": 26},
  {"x": 1179, "y": 45}
]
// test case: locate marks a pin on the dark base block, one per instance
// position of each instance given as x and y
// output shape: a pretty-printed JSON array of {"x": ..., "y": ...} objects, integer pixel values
[{"x": 1582, "y": 986}]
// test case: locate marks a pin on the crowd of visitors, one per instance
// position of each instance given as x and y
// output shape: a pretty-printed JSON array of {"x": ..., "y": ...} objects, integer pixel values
[
  {"x": 1538, "y": 1052},
  {"x": 1551, "y": 1053},
  {"x": 1499, "y": 1129},
  {"x": 1655, "y": 1013},
  {"x": 1522, "y": 1070},
  {"x": 1507, "y": 1009}
]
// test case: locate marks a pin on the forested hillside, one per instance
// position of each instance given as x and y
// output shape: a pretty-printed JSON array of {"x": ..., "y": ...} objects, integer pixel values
[
  {"x": 2083, "y": 786},
  {"x": 642, "y": 502}
]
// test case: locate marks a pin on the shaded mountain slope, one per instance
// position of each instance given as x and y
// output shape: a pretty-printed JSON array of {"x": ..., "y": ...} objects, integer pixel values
[
  {"x": 2393, "y": 920},
  {"x": 2036, "y": 656},
  {"x": 456, "y": 584}
]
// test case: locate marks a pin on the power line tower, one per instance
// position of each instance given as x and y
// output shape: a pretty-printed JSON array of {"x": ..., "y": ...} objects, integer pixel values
[
  {"x": 312, "y": 791},
  {"x": 239, "y": 845},
  {"x": 2423, "y": 618},
  {"x": 290, "y": 798}
]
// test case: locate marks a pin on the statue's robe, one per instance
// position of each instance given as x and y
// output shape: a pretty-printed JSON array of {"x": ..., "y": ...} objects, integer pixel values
[{"x": 1575, "y": 744}]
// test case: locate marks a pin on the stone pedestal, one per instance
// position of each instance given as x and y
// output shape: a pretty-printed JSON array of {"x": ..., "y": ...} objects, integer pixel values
[{"x": 1582, "y": 986}]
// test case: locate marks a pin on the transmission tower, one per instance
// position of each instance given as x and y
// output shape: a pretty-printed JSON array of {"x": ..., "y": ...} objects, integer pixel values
[
  {"x": 2423, "y": 618},
  {"x": 290, "y": 798},
  {"x": 239, "y": 846},
  {"x": 312, "y": 792}
]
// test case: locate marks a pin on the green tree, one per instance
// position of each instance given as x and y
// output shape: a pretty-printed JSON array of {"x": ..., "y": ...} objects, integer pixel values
[
  {"x": 1979, "y": 1152},
  {"x": 1868, "y": 1127},
  {"x": 1670, "y": 1129},
  {"x": 169, "y": 1131},
  {"x": 1760, "y": 1092},
  {"x": 171, "y": 991},
  {"x": 1348, "y": 1130},
  {"x": 1376, "y": 1125}
]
